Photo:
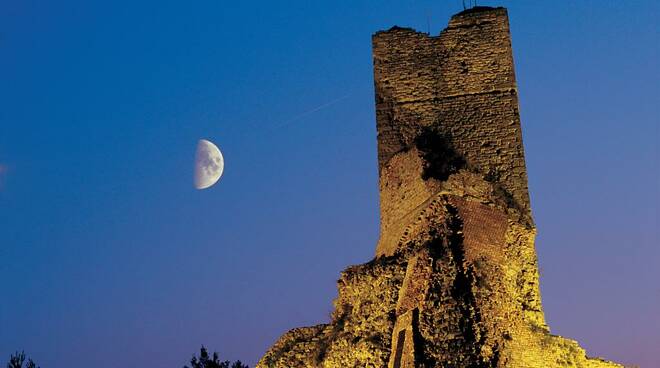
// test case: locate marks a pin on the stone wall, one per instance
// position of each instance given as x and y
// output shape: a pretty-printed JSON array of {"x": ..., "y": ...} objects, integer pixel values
[
  {"x": 455, "y": 279},
  {"x": 451, "y": 297},
  {"x": 456, "y": 90}
]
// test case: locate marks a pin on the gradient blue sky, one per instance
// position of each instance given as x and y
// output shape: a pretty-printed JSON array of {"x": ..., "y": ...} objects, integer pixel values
[{"x": 110, "y": 258}]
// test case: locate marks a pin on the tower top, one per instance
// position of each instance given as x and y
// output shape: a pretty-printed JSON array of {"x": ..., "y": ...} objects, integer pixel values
[{"x": 478, "y": 9}]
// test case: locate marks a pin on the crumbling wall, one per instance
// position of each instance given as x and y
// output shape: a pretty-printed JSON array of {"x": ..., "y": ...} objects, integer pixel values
[
  {"x": 455, "y": 278},
  {"x": 458, "y": 87},
  {"x": 450, "y": 297},
  {"x": 359, "y": 333}
]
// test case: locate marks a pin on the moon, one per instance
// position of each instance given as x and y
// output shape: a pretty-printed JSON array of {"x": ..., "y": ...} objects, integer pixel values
[{"x": 209, "y": 164}]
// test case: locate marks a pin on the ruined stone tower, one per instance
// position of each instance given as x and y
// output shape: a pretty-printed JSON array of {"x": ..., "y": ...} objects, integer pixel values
[
  {"x": 455, "y": 281},
  {"x": 450, "y": 101}
]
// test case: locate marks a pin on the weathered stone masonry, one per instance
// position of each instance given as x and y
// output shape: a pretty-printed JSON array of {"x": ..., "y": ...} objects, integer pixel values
[
  {"x": 455, "y": 278},
  {"x": 460, "y": 87}
]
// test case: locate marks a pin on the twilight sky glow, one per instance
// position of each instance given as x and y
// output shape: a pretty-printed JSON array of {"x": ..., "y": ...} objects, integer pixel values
[{"x": 110, "y": 257}]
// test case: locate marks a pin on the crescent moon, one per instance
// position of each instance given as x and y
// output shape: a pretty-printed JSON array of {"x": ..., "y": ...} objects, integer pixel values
[{"x": 209, "y": 164}]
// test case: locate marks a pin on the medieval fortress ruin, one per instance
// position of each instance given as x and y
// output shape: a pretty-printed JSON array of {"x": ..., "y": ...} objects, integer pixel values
[{"x": 455, "y": 279}]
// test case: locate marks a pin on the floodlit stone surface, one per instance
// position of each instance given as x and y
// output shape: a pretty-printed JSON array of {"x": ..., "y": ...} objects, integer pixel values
[{"x": 455, "y": 278}]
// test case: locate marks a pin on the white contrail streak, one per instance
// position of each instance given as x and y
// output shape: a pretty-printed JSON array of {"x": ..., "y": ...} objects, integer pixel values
[{"x": 302, "y": 115}]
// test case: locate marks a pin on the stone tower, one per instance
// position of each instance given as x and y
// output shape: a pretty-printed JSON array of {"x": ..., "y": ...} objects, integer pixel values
[
  {"x": 455, "y": 281},
  {"x": 452, "y": 100}
]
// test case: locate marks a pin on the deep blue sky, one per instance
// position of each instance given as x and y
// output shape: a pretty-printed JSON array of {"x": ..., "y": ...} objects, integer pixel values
[{"x": 110, "y": 258}]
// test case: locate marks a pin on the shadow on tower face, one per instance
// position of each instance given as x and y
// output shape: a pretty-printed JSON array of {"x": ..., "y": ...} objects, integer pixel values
[{"x": 440, "y": 158}]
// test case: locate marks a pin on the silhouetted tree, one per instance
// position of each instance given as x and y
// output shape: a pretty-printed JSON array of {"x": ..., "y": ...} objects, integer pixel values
[
  {"x": 207, "y": 361},
  {"x": 17, "y": 360}
]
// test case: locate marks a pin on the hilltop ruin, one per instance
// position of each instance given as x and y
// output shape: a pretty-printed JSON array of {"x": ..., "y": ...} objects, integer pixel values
[{"x": 454, "y": 282}]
